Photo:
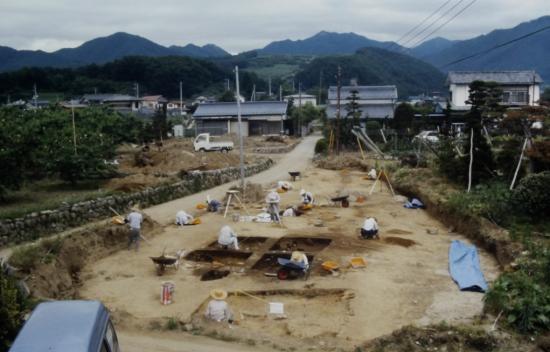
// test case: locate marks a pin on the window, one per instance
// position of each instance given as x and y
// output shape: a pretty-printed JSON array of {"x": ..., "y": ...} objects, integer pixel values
[{"x": 110, "y": 338}]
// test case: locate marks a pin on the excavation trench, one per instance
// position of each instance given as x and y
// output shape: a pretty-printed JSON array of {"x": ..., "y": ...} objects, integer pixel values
[
  {"x": 226, "y": 257},
  {"x": 304, "y": 244}
]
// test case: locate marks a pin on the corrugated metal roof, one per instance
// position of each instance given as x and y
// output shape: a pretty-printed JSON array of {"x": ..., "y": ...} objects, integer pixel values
[
  {"x": 364, "y": 92},
  {"x": 375, "y": 111},
  {"x": 251, "y": 108},
  {"x": 109, "y": 97},
  {"x": 502, "y": 77}
]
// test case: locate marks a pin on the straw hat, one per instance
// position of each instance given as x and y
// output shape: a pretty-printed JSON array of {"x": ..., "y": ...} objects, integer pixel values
[
  {"x": 218, "y": 294},
  {"x": 297, "y": 256}
]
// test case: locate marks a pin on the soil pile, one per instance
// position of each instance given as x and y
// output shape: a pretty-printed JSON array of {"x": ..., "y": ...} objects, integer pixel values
[
  {"x": 443, "y": 338},
  {"x": 348, "y": 161},
  {"x": 142, "y": 167}
]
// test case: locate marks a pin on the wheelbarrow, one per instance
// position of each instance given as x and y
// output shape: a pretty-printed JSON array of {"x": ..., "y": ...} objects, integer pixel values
[
  {"x": 294, "y": 174},
  {"x": 343, "y": 200},
  {"x": 290, "y": 270},
  {"x": 164, "y": 261}
]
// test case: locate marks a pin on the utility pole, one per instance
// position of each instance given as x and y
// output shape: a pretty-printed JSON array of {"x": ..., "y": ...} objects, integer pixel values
[
  {"x": 181, "y": 98},
  {"x": 320, "y": 86},
  {"x": 300, "y": 107},
  {"x": 74, "y": 127},
  {"x": 240, "y": 127},
  {"x": 226, "y": 84},
  {"x": 280, "y": 93},
  {"x": 270, "y": 86},
  {"x": 136, "y": 87},
  {"x": 338, "y": 89},
  {"x": 35, "y": 96},
  {"x": 253, "y": 95},
  {"x": 293, "y": 86}
]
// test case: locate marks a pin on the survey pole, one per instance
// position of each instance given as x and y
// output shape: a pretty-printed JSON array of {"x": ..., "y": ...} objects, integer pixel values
[{"x": 238, "y": 97}]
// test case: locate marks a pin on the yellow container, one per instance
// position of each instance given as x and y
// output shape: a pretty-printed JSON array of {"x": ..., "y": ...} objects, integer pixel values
[
  {"x": 330, "y": 265},
  {"x": 358, "y": 262}
]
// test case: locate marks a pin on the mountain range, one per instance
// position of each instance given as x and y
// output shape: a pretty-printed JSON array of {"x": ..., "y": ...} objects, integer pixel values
[
  {"x": 530, "y": 53},
  {"x": 101, "y": 50}
]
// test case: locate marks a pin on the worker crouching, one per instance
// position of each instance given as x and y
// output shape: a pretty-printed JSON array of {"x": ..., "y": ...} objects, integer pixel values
[
  {"x": 218, "y": 309},
  {"x": 370, "y": 229},
  {"x": 227, "y": 238}
]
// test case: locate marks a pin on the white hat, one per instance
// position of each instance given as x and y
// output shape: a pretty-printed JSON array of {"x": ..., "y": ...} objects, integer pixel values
[{"x": 302, "y": 192}]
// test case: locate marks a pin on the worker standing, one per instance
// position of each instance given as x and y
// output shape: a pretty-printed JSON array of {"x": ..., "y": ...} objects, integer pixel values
[
  {"x": 218, "y": 309},
  {"x": 370, "y": 229},
  {"x": 273, "y": 199},
  {"x": 134, "y": 220},
  {"x": 227, "y": 238}
]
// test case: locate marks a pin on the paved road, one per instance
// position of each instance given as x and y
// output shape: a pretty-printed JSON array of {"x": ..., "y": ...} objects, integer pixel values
[{"x": 298, "y": 159}]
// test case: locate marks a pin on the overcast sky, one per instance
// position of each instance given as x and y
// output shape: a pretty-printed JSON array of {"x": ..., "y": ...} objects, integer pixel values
[{"x": 239, "y": 25}]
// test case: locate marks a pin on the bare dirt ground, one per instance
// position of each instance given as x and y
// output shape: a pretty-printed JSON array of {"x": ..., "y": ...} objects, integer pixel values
[
  {"x": 156, "y": 166},
  {"x": 406, "y": 280}
]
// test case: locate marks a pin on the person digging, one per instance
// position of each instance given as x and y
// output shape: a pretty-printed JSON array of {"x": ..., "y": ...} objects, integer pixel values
[
  {"x": 218, "y": 309},
  {"x": 370, "y": 229},
  {"x": 184, "y": 219},
  {"x": 134, "y": 220},
  {"x": 307, "y": 200},
  {"x": 273, "y": 199}
]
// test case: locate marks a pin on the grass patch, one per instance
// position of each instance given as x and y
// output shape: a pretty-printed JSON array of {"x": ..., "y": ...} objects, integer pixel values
[
  {"x": 48, "y": 194},
  {"x": 171, "y": 324},
  {"x": 27, "y": 258}
]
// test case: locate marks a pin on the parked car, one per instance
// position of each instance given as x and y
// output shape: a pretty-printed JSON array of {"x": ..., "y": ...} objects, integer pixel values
[
  {"x": 203, "y": 143},
  {"x": 427, "y": 136},
  {"x": 68, "y": 326}
]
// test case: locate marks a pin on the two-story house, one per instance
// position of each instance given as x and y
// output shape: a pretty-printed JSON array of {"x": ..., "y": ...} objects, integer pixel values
[
  {"x": 519, "y": 88},
  {"x": 377, "y": 102}
]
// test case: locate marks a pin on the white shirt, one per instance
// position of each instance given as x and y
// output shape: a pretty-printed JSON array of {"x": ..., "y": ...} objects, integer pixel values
[
  {"x": 273, "y": 197},
  {"x": 226, "y": 236},
  {"x": 304, "y": 260},
  {"x": 182, "y": 218},
  {"x": 135, "y": 219},
  {"x": 284, "y": 184},
  {"x": 370, "y": 224},
  {"x": 307, "y": 198},
  {"x": 288, "y": 212},
  {"x": 218, "y": 310},
  {"x": 372, "y": 174}
]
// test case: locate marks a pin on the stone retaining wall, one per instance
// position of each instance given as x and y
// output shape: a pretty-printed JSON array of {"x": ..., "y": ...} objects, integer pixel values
[{"x": 35, "y": 225}]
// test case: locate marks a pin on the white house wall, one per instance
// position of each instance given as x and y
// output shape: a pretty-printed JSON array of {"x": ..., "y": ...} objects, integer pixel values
[
  {"x": 460, "y": 94},
  {"x": 234, "y": 127}
]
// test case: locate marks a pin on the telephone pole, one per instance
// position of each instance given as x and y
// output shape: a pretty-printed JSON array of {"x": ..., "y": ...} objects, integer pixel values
[
  {"x": 338, "y": 89},
  {"x": 320, "y": 86},
  {"x": 240, "y": 128}
]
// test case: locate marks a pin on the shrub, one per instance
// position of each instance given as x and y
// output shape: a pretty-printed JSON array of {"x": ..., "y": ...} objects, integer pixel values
[
  {"x": 11, "y": 307},
  {"x": 532, "y": 195},
  {"x": 488, "y": 200},
  {"x": 321, "y": 147}
]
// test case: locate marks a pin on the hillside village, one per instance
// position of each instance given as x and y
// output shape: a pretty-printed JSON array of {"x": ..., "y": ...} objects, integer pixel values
[{"x": 335, "y": 193}]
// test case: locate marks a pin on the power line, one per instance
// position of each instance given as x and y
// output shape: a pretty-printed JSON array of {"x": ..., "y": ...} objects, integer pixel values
[
  {"x": 496, "y": 46},
  {"x": 447, "y": 22},
  {"x": 417, "y": 26},
  {"x": 434, "y": 22}
]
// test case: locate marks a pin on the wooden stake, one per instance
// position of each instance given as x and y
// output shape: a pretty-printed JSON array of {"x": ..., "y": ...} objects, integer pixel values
[
  {"x": 360, "y": 148},
  {"x": 519, "y": 164},
  {"x": 471, "y": 160}
]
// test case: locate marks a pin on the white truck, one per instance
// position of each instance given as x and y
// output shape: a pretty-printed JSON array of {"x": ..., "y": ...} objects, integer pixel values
[{"x": 203, "y": 143}]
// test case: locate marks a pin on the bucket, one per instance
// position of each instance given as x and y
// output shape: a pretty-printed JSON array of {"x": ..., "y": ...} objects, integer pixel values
[
  {"x": 167, "y": 290},
  {"x": 236, "y": 217}
]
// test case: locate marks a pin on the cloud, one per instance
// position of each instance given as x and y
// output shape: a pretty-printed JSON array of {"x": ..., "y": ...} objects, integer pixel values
[{"x": 241, "y": 25}]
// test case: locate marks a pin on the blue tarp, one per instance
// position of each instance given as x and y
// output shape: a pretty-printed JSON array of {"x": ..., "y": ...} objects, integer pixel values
[{"x": 464, "y": 267}]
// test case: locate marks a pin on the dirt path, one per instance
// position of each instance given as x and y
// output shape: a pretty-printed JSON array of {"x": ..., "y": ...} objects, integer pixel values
[
  {"x": 177, "y": 342},
  {"x": 298, "y": 159}
]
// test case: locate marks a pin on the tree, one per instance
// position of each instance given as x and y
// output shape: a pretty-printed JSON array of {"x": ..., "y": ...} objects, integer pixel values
[
  {"x": 13, "y": 152},
  {"x": 403, "y": 117},
  {"x": 227, "y": 96},
  {"x": 482, "y": 98}
]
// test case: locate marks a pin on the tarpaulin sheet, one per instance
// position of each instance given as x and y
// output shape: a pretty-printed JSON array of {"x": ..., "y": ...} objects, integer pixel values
[{"x": 464, "y": 267}]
